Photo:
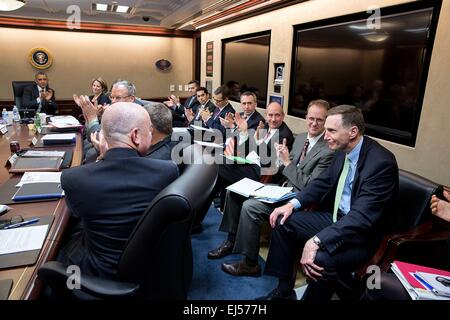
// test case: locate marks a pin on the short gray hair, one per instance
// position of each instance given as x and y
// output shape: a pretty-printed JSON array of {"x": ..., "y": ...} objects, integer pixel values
[
  {"x": 131, "y": 89},
  {"x": 160, "y": 116}
]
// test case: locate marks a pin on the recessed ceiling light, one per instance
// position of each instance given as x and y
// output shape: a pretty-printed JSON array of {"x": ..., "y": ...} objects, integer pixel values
[
  {"x": 122, "y": 9},
  {"x": 101, "y": 7}
]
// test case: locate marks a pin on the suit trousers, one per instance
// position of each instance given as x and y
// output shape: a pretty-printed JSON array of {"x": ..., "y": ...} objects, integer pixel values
[{"x": 286, "y": 245}]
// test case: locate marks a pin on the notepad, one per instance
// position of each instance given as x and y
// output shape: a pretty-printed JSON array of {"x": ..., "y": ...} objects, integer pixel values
[
  {"x": 22, "y": 239},
  {"x": 36, "y": 164},
  {"x": 39, "y": 191},
  {"x": 63, "y": 138}
]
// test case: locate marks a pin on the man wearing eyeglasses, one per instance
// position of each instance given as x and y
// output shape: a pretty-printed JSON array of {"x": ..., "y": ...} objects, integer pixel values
[
  {"x": 121, "y": 91},
  {"x": 224, "y": 108},
  {"x": 309, "y": 157}
]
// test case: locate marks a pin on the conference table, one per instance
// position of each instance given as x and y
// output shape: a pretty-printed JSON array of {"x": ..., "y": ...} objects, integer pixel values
[{"x": 25, "y": 284}]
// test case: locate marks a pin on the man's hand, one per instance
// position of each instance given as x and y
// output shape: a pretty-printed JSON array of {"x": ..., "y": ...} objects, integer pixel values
[
  {"x": 259, "y": 129},
  {"x": 440, "y": 207},
  {"x": 283, "y": 152},
  {"x": 189, "y": 114},
  {"x": 88, "y": 109},
  {"x": 284, "y": 211},
  {"x": 241, "y": 123},
  {"x": 205, "y": 114},
  {"x": 49, "y": 95},
  {"x": 311, "y": 270},
  {"x": 228, "y": 121}
]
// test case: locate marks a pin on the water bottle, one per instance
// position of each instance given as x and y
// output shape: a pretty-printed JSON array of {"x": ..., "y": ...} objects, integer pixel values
[
  {"x": 16, "y": 114},
  {"x": 37, "y": 122},
  {"x": 5, "y": 116}
]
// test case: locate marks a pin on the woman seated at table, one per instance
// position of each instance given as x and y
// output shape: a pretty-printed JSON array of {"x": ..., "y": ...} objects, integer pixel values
[{"x": 100, "y": 92}]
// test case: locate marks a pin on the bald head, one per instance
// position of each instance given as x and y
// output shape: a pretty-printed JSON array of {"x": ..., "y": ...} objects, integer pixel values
[
  {"x": 127, "y": 124},
  {"x": 274, "y": 115}
]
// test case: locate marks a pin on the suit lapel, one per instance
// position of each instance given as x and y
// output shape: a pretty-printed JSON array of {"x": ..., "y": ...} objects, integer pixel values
[{"x": 313, "y": 152}]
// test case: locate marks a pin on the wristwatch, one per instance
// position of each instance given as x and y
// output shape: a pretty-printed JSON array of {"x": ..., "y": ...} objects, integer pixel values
[{"x": 317, "y": 241}]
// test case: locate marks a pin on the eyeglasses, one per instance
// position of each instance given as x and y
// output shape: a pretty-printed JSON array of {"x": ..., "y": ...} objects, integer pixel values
[
  {"x": 217, "y": 100},
  {"x": 318, "y": 120},
  {"x": 118, "y": 98},
  {"x": 443, "y": 280}
]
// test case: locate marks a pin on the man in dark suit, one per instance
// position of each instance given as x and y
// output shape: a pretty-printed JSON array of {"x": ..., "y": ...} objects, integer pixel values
[
  {"x": 107, "y": 197},
  {"x": 249, "y": 114},
  {"x": 161, "y": 129},
  {"x": 190, "y": 103},
  {"x": 205, "y": 103},
  {"x": 353, "y": 196},
  {"x": 40, "y": 97},
  {"x": 242, "y": 217},
  {"x": 224, "y": 108},
  {"x": 260, "y": 142}
]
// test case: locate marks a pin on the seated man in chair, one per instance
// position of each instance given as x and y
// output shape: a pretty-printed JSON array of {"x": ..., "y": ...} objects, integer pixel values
[
  {"x": 242, "y": 220},
  {"x": 353, "y": 196},
  {"x": 40, "y": 97},
  {"x": 108, "y": 197}
]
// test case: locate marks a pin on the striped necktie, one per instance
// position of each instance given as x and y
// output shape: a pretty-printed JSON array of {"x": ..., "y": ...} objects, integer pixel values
[{"x": 304, "y": 151}]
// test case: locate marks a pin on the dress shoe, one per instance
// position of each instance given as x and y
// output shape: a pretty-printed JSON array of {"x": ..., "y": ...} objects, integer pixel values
[
  {"x": 225, "y": 249},
  {"x": 241, "y": 268},
  {"x": 276, "y": 294}
]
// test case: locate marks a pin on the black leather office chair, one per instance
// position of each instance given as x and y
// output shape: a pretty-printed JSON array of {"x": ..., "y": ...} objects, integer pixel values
[
  {"x": 410, "y": 220},
  {"x": 157, "y": 260},
  {"x": 18, "y": 87}
]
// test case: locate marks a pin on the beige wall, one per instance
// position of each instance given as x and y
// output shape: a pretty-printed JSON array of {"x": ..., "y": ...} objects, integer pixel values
[
  {"x": 78, "y": 57},
  {"x": 431, "y": 155}
]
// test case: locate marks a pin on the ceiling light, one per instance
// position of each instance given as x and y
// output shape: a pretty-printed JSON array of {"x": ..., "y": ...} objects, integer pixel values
[
  {"x": 122, "y": 9},
  {"x": 101, "y": 7},
  {"x": 10, "y": 5}
]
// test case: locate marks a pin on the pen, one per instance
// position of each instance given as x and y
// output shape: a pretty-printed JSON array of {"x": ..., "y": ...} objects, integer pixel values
[
  {"x": 23, "y": 223},
  {"x": 426, "y": 284}
]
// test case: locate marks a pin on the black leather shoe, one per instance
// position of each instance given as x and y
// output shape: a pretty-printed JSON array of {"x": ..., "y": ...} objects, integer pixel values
[
  {"x": 241, "y": 268},
  {"x": 225, "y": 249},
  {"x": 275, "y": 294}
]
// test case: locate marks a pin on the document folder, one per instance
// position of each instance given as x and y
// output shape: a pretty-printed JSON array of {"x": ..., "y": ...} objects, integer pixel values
[
  {"x": 23, "y": 164},
  {"x": 38, "y": 191}
]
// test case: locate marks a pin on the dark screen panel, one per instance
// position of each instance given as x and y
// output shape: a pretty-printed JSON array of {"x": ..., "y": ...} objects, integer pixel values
[
  {"x": 245, "y": 65},
  {"x": 380, "y": 70}
]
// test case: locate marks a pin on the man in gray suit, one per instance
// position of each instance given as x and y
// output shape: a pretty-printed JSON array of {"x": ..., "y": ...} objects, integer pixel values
[{"x": 242, "y": 218}]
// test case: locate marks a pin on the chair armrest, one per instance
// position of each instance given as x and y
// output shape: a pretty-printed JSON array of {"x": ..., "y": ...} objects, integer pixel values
[
  {"x": 54, "y": 273},
  {"x": 389, "y": 246}
]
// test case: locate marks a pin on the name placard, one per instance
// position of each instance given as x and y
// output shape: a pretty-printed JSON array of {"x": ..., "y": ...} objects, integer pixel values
[
  {"x": 34, "y": 141},
  {"x": 3, "y": 129}
]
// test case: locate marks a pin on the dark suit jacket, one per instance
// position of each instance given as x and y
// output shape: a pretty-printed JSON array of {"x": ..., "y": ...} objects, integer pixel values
[
  {"x": 178, "y": 112},
  {"x": 209, "y": 105},
  {"x": 253, "y": 121},
  {"x": 102, "y": 99},
  {"x": 163, "y": 149},
  {"x": 31, "y": 93},
  {"x": 214, "y": 121},
  {"x": 374, "y": 189},
  {"x": 315, "y": 162},
  {"x": 108, "y": 197}
]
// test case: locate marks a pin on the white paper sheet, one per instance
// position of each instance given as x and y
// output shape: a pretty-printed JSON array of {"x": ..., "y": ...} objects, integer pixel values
[
  {"x": 208, "y": 144},
  {"x": 36, "y": 177},
  {"x": 22, "y": 239},
  {"x": 61, "y": 136},
  {"x": 201, "y": 128},
  {"x": 245, "y": 187},
  {"x": 40, "y": 154}
]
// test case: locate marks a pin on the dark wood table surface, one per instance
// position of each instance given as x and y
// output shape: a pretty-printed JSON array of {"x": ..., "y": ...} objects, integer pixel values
[{"x": 25, "y": 286}]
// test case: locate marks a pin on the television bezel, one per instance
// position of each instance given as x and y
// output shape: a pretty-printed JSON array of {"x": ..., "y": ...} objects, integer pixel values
[{"x": 385, "y": 132}]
